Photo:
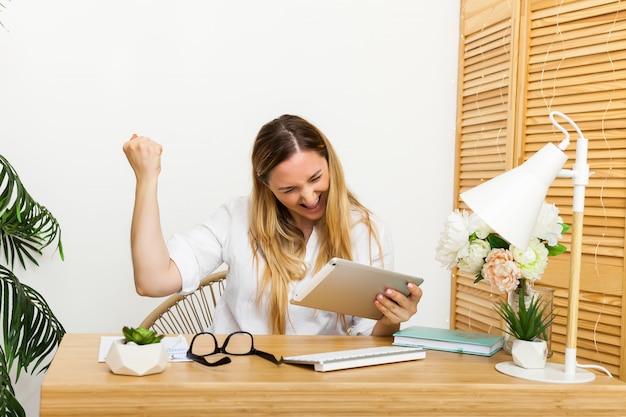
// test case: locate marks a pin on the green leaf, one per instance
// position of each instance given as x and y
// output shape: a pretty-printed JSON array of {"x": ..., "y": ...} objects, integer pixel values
[
  {"x": 556, "y": 250},
  {"x": 527, "y": 323},
  {"x": 141, "y": 336},
  {"x": 26, "y": 227},
  {"x": 30, "y": 329},
  {"x": 9, "y": 406},
  {"x": 496, "y": 242}
]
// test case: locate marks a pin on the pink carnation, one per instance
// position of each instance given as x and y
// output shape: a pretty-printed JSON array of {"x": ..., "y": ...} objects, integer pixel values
[{"x": 501, "y": 270}]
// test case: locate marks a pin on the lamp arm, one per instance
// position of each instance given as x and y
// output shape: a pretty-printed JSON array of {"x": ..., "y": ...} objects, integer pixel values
[
  {"x": 580, "y": 178},
  {"x": 580, "y": 173},
  {"x": 565, "y": 142}
]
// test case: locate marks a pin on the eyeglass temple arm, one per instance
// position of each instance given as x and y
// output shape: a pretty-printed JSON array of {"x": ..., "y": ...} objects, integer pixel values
[{"x": 268, "y": 356}]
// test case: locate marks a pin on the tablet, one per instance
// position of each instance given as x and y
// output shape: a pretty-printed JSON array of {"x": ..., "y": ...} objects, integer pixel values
[{"x": 348, "y": 287}]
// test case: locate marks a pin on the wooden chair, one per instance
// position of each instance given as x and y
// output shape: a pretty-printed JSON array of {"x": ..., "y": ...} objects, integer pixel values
[{"x": 188, "y": 314}]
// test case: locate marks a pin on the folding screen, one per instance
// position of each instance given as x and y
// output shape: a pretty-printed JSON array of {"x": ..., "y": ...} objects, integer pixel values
[{"x": 518, "y": 61}]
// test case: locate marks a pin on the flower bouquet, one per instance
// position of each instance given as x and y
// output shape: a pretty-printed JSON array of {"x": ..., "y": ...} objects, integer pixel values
[{"x": 468, "y": 243}]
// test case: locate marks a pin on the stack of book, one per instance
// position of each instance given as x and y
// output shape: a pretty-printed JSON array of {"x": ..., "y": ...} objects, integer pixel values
[{"x": 460, "y": 341}]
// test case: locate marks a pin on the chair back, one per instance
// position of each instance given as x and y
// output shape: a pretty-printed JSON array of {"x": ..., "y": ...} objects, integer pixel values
[{"x": 191, "y": 313}]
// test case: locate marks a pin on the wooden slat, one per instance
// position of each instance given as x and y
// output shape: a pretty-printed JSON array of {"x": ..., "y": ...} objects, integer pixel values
[
  {"x": 480, "y": 16},
  {"x": 547, "y": 12},
  {"x": 607, "y": 23},
  {"x": 546, "y": 70}
]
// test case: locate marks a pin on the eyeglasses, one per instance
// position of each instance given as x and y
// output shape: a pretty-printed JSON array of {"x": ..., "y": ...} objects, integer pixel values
[{"x": 237, "y": 344}]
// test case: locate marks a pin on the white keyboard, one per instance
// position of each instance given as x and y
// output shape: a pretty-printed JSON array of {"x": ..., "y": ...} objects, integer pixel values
[{"x": 353, "y": 358}]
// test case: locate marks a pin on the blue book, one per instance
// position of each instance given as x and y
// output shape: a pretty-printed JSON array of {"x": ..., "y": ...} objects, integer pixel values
[{"x": 460, "y": 341}]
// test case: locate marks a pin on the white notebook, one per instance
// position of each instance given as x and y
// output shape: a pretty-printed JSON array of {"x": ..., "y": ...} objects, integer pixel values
[{"x": 348, "y": 287}]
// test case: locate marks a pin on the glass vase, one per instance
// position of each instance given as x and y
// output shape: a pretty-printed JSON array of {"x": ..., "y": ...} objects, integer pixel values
[{"x": 546, "y": 297}]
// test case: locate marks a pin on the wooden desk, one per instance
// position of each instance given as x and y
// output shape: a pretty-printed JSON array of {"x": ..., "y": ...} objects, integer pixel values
[{"x": 443, "y": 384}]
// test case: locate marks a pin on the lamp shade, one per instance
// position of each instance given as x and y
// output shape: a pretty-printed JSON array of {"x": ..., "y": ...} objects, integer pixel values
[{"x": 510, "y": 203}]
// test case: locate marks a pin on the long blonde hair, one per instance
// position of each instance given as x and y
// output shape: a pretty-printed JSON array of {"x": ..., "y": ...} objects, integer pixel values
[{"x": 273, "y": 234}]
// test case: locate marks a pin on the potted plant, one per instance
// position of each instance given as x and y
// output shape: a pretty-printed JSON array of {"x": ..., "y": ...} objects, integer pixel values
[
  {"x": 528, "y": 324},
  {"x": 139, "y": 353},
  {"x": 30, "y": 331}
]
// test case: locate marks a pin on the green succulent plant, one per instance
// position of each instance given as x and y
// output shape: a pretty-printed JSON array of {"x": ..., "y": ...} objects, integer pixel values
[
  {"x": 529, "y": 323},
  {"x": 141, "y": 336}
]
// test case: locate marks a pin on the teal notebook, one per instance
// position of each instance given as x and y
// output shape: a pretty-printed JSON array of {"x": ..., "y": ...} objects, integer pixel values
[{"x": 449, "y": 340}]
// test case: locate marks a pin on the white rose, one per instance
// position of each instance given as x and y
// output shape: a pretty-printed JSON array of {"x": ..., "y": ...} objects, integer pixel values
[
  {"x": 473, "y": 262},
  {"x": 533, "y": 260},
  {"x": 479, "y": 227},
  {"x": 454, "y": 241},
  {"x": 548, "y": 226}
]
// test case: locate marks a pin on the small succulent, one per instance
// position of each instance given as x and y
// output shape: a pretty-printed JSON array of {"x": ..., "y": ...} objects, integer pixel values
[
  {"x": 141, "y": 336},
  {"x": 529, "y": 322}
]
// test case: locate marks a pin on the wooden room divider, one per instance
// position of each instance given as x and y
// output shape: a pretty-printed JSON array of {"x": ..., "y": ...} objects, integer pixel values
[{"x": 518, "y": 61}]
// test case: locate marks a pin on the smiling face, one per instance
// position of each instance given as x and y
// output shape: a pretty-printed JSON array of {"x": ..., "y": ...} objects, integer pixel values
[{"x": 301, "y": 183}]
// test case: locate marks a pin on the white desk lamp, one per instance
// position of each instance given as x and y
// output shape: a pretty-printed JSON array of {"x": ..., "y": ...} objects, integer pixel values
[{"x": 510, "y": 204}]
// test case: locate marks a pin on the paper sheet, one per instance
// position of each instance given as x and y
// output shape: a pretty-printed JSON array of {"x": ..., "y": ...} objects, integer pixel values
[{"x": 176, "y": 347}]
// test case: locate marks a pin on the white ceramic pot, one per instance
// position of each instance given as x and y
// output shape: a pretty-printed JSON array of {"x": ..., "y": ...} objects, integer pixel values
[
  {"x": 530, "y": 354},
  {"x": 138, "y": 360}
]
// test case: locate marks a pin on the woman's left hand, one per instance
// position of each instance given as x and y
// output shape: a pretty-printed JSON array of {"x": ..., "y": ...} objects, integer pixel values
[{"x": 396, "y": 308}]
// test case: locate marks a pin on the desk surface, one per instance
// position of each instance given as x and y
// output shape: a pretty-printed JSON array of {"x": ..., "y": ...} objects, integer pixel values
[{"x": 443, "y": 384}]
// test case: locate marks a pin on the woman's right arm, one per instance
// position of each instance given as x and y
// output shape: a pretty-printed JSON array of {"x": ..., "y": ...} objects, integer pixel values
[{"x": 156, "y": 275}]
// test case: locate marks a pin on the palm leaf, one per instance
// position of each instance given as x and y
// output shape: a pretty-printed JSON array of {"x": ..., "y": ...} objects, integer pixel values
[
  {"x": 30, "y": 329},
  {"x": 2, "y": 7},
  {"x": 9, "y": 406},
  {"x": 26, "y": 227}
]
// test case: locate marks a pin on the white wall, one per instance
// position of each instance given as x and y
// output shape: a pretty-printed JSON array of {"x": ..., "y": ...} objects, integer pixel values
[{"x": 79, "y": 77}]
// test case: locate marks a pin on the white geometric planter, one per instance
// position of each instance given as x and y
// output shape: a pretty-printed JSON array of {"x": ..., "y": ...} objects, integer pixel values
[
  {"x": 530, "y": 354},
  {"x": 137, "y": 360}
]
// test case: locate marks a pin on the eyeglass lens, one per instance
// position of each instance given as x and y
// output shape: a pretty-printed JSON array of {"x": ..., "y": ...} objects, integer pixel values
[
  {"x": 237, "y": 343},
  {"x": 205, "y": 344}
]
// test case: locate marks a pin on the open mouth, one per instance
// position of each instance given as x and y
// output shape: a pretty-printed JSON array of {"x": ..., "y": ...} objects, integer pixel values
[{"x": 313, "y": 206}]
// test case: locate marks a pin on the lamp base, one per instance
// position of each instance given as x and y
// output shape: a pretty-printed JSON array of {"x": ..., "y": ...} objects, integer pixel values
[{"x": 554, "y": 373}]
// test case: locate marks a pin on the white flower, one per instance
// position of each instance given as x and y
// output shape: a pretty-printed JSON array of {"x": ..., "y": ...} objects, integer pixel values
[
  {"x": 478, "y": 226},
  {"x": 533, "y": 260},
  {"x": 548, "y": 226},
  {"x": 473, "y": 262},
  {"x": 454, "y": 241}
]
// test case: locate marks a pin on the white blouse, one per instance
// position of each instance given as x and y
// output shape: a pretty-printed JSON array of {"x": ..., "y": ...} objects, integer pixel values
[{"x": 223, "y": 239}]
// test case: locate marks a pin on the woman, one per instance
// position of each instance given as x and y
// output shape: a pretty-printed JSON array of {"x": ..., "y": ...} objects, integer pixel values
[{"x": 299, "y": 216}]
